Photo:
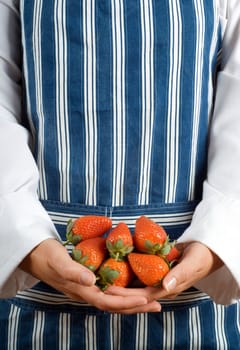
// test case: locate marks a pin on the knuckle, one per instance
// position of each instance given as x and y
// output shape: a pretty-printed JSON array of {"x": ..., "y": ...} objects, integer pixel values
[{"x": 102, "y": 306}]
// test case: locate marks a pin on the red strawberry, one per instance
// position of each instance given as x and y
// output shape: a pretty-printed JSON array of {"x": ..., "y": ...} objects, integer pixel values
[
  {"x": 113, "y": 272},
  {"x": 150, "y": 269},
  {"x": 90, "y": 252},
  {"x": 173, "y": 255},
  {"x": 149, "y": 237},
  {"x": 119, "y": 241},
  {"x": 86, "y": 227}
]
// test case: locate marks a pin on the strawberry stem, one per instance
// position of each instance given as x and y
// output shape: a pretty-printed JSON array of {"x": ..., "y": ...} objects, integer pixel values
[{"x": 66, "y": 243}]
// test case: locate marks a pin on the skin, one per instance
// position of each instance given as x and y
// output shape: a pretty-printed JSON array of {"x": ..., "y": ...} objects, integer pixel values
[
  {"x": 51, "y": 263},
  {"x": 197, "y": 262}
]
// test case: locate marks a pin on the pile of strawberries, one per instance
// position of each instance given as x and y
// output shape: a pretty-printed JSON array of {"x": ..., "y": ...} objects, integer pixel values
[{"x": 116, "y": 256}]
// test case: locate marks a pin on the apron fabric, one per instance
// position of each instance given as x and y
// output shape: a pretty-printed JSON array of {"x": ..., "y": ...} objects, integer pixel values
[{"x": 118, "y": 99}]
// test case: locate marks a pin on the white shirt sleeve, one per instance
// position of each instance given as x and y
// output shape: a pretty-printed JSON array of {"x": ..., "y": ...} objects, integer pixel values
[
  {"x": 216, "y": 221},
  {"x": 23, "y": 221}
]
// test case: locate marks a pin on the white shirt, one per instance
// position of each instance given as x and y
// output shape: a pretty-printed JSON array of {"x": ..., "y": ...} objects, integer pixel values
[{"x": 216, "y": 222}]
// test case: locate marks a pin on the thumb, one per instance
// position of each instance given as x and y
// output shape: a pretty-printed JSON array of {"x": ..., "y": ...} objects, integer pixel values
[
  {"x": 79, "y": 274},
  {"x": 69, "y": 269},
  {"x": 197, "y": 262},
  {"x": 51, "y": 263},
  {"x": 181, "y": 277},
  {"x": 178, "y": 273}
]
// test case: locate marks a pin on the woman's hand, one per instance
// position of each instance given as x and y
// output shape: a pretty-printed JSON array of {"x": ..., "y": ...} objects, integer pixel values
[
  {"x": 51, "y": 263},
  {"x": 197, "y": 262}
]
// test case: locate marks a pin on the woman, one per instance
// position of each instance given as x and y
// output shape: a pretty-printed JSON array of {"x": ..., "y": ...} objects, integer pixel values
[{"x": 124, "y": 102}]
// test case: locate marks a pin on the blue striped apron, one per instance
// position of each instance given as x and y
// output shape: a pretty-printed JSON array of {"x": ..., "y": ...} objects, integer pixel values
[{"x": 118, "y": 98}]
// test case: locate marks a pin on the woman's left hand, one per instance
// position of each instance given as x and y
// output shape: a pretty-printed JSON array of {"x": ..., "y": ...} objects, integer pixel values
[{"x": 197, "y": 262}]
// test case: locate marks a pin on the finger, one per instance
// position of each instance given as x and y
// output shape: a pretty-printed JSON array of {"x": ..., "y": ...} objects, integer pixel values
[
  {"x": 94, "y": 296},
  {"x": 150, "y": 307},
  {"x": 114, "y": 290},
  {"x": 115, "y": 303},
  {"x": 150, "y": 293},
  {"x": 110, "y": 303}
]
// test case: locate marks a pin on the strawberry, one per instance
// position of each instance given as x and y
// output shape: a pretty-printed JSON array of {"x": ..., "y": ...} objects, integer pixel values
[
  {"x": 149, "y": 237},
  {"x": 113, "y": 272},
  {"x": 119, "y": 241},
  {"x": 86, "y": 227},
  {"x": 173, "y": 255},
  {"x": 150, "y": 269},
  {"x": 90, "y": 252}
]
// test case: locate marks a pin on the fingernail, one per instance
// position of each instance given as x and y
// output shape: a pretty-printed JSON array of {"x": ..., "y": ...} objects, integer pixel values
[
  {"x": 157, "y": 308},
  {"x": 87, "y": 278},
  {"x": 171, "y": 285}
]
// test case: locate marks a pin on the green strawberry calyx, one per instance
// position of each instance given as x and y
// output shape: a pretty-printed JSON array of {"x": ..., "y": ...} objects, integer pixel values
[
  {"x": 106, "y": 277},
  {"x": 118, "y": 250},
  {"x": 81, "y": 259},
  {"x": 160, "y": 249},
  {"x": 71, "y": 237}
]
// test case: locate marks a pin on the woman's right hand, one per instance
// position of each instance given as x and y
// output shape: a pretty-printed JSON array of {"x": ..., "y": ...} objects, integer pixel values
[{"x": 51, "y": 263}]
